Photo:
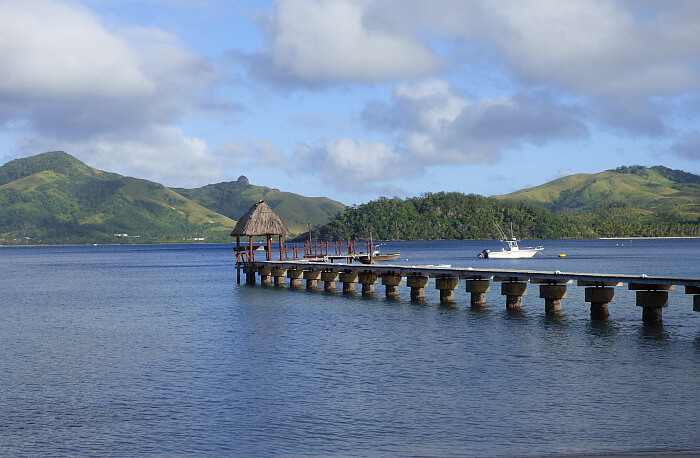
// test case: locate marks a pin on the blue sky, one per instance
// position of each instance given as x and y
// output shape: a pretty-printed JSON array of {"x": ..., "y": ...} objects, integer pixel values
[{"x": 353, "y": 99}]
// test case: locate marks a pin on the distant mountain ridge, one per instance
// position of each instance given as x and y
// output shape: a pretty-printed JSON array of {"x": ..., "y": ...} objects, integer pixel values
[
  {"x": 631, "y": 201},
  {"x": 234, "y": 198},
  {"x": 644, "y": 190},
  {"x": 55, "y": 198}
]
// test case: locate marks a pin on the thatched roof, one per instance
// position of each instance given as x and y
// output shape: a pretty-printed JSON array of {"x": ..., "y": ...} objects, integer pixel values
[{"x": 260, "y": 220}]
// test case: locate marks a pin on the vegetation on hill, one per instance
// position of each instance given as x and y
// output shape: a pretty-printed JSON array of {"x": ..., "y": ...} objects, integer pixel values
[
  {"x": 648, "y": 190},
  {"x": 234, "y": 198},
  {"x": 625, "y": 202},
  {"x": 55, "y": 198},
  {"x": 446, "y": 216}
]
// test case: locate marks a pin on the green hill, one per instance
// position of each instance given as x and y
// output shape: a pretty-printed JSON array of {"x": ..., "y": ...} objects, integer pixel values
[
  {"x": 446, "y": 216},
  {"x": 648, "y": 190},
  {"x": 625, "y": 202},
  {"x": 234, "y": 198},
  {"x": 55, "y": 198}
]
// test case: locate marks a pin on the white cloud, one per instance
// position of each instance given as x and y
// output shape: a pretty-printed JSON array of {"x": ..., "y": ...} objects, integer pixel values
[
  {"x": 347, "y": 163},
  {"x": 110, "y": 96},
  {"x": 159, "y": 153},
  {"x": 58, "y": 49},
  {"x": 437, "y": 125},
  {"x": 331, "y": 40}
]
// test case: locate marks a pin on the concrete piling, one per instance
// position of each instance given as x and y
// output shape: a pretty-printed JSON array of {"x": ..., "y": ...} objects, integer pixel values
[
  {"x": 652, "y": 299},
  {"x": 447, "y": 286},
  {"x": 417, "y": 283},
  {"x": 514, "y": 292},
  {"x": 367, "y": 280},
  {"x": 250, "y": 272},
  {"x": 265, "y": 273},
  {"x": 392, "y": 282},
  {"x": 695, "y": 291},
  {"x": 552, "y": 295},
  {"x": 599, "y": 294},
  {"x": 329, "y": 278},
  {"x": 278, "y": 274},
  {"x": 348, "y": 279},
  {"x": 312, "y": 277},
  {"x": 294, "y": 276},
  {"x": 478, "y": 290}
]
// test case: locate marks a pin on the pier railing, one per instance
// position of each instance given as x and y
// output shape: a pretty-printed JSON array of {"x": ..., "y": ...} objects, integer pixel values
[
  {"x": 326, "y": 251},
  {"x": 651, "y": 291}
]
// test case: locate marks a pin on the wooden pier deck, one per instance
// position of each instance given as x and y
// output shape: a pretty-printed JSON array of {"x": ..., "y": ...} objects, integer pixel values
[{"x": 651, "y": 291}]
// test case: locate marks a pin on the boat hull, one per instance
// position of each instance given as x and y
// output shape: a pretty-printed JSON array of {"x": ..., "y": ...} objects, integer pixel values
[
  {"x": 512, "y": 254},
  {"x": 378, "y": 257}
]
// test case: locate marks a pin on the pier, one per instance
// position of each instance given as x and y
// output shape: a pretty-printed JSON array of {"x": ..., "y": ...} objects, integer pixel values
[
  {"x": 313, "y": 263},
  {"x": 651, "y": 292}
]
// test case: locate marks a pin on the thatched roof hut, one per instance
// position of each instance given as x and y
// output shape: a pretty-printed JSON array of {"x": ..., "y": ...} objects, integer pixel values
[{"x": 260, "y": 220}]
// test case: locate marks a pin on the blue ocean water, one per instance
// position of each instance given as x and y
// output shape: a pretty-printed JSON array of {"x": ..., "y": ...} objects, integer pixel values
[{"x": 155, "y": 350}]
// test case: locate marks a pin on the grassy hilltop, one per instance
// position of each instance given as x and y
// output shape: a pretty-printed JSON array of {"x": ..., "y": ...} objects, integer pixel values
[
  {"x": 234, "y": 198},
  {"x": 55, "y": 198}
]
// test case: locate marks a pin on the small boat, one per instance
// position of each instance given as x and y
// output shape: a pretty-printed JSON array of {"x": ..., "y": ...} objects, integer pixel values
[
  {"x": 377, "y": 256},
  {"x": 512, "y": 250}
]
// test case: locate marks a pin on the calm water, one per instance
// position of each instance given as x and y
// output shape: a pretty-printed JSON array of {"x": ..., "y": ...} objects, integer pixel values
[{"x": 155, "y": 350}]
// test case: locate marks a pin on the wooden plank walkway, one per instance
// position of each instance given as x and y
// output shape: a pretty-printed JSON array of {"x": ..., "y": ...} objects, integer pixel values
[{"x": 651, "y": 291}]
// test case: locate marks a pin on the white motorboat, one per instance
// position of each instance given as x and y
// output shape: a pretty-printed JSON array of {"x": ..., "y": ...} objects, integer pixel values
[{"x": 512, "y": 250}]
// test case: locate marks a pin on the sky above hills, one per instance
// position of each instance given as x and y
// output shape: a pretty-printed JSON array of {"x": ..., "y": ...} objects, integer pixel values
[{"x": 353, "y": 99}]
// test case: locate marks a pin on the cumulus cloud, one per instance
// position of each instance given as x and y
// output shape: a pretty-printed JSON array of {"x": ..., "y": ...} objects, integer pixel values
[
  {"x": 110, "y": 96},
  {"x": 353, "y": 164},
  {"x": 160, "y": 152},
  {"x": 438, "y": 125},
  {"x": 321, "y": 41},
  {"x": 59, "y": 50}
]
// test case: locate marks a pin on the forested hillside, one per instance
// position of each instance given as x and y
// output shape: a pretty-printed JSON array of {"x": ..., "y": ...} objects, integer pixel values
[
  {"x": 455, "y": 216},
  {"x": 446, "y": 216}
]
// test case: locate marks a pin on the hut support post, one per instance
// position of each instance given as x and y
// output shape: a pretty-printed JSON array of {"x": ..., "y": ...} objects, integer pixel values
[
  {"x": 238, "y": 257},
  {"x": 281, "y": 248},
  {"x": 269, "y": 248}
]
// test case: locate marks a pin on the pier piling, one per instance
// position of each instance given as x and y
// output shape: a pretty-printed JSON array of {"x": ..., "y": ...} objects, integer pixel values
[
  {"x": 312, "y": 277},
  {"x": 368, "y": 279},
  {"x": 552, "y": 295},
  {"x": 652, "y": 298},
  {"x": 599, "y": 294},
  {"x": 392, "y": 282},
  {"x": 349, "y": 279},
  {"x": 447, "y": 286},
  {"x": 513, "y": 289},
  {"x": 278, "y": 274},
  {"x": 294, "y": 276},
  {"x": 478, "y": 289},
  {"x": 695, "y": 290},
  {"x": 417, "y": 283},
  {"x": 329, "y": 278}
]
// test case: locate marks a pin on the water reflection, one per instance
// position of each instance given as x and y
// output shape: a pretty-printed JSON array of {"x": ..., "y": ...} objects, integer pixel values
[
  {"x": 653, "y": 332},
  {"x": 601, "y": 328}
]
